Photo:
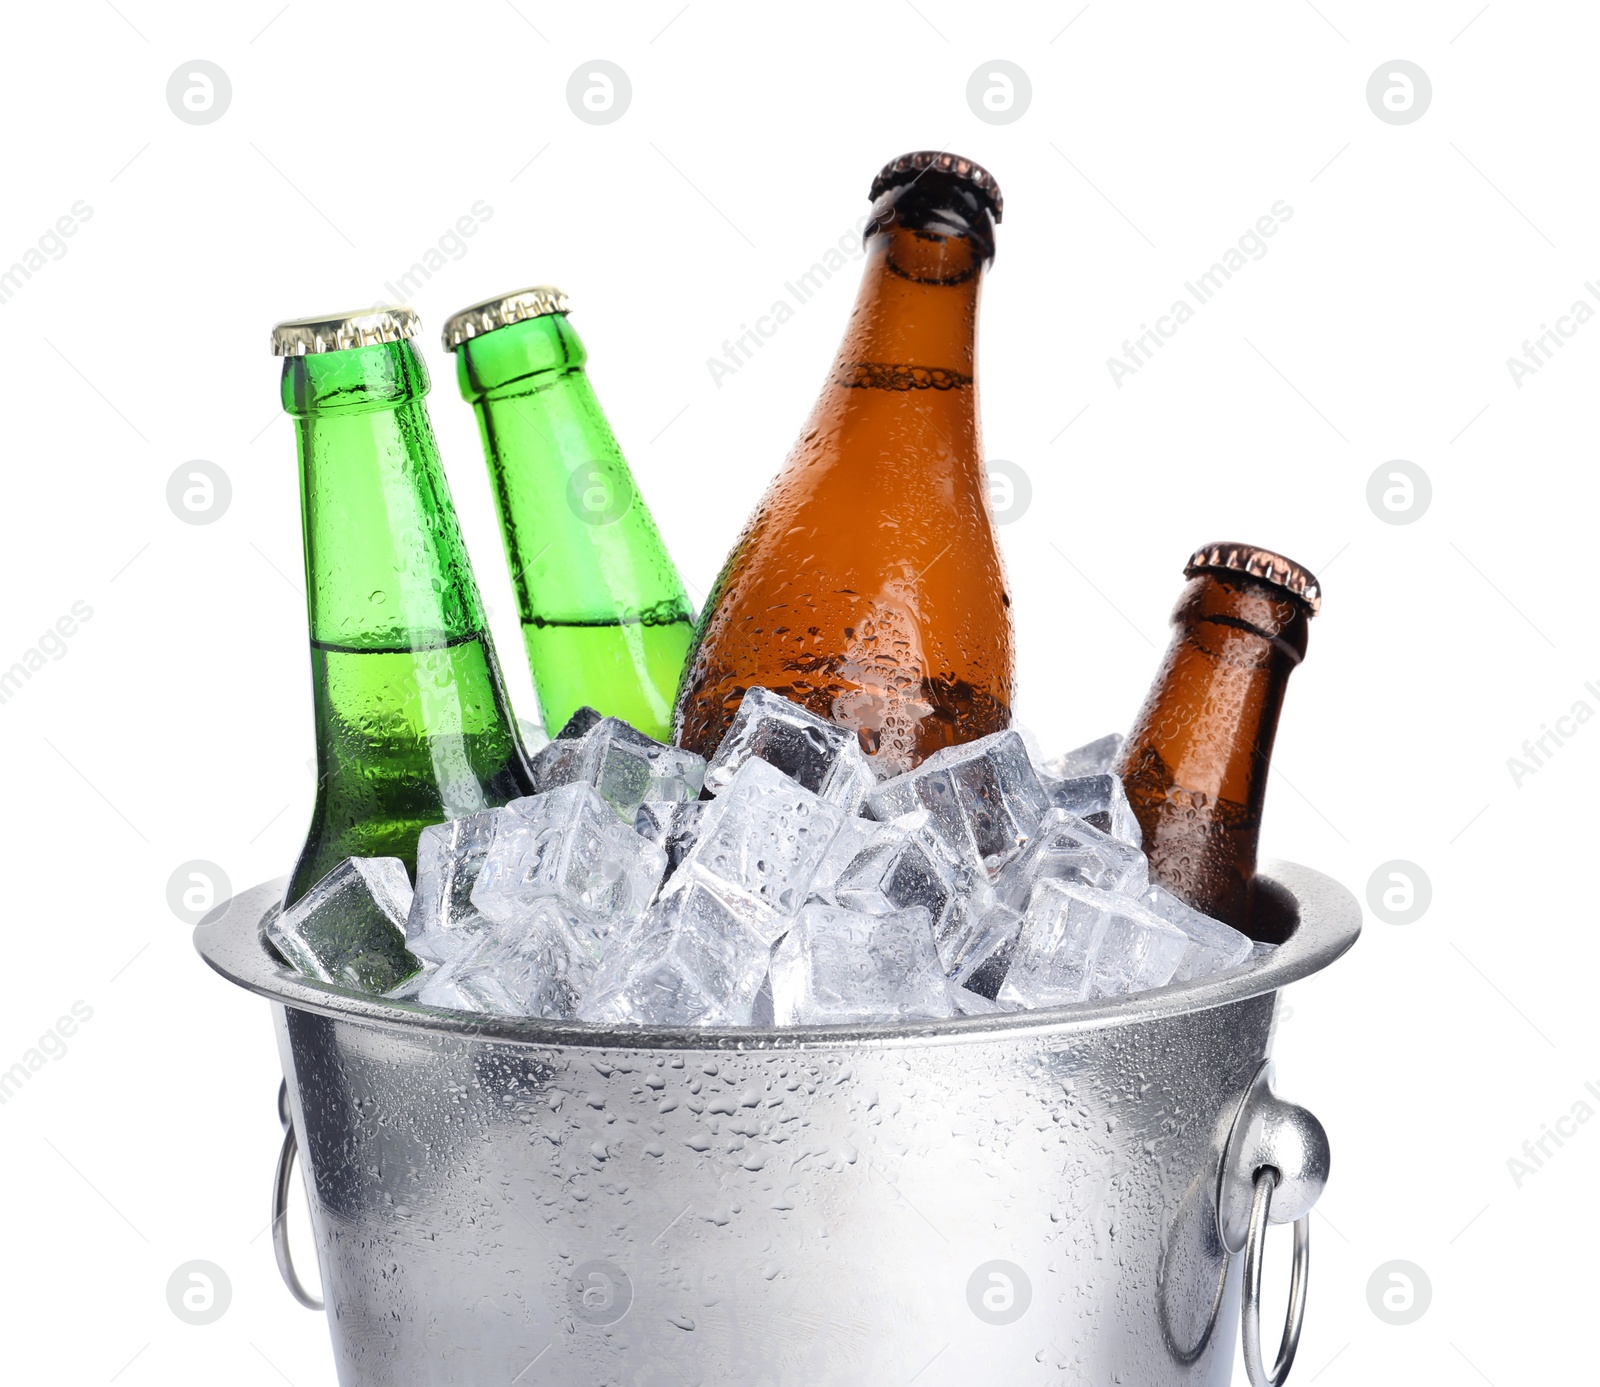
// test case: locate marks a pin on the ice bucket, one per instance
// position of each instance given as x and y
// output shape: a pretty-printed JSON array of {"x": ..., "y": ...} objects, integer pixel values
[{"x": 1069, "y": 1197}]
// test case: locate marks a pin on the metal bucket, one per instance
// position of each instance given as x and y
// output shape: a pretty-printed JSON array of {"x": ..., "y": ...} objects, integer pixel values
[{"x": 1051, "y": 1197}]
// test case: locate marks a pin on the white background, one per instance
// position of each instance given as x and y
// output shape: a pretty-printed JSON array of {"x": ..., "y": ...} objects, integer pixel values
[{"x": 176, "y": 725}]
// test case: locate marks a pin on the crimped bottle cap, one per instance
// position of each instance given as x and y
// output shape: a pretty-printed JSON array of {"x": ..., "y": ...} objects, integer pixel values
[
  {"x": 339, "y": 332},
  {"x": 1258, "y": 563},
  {"x": 502, "y": 311},
  {"x": 910, "y": 167}
]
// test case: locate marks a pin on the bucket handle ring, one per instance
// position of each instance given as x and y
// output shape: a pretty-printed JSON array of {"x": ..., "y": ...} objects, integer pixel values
[
  {"x": 280, "y": 1207},
  {"x": 1266, "y": 1180}
]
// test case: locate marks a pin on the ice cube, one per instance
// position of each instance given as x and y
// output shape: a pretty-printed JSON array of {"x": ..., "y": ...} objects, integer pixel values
[
  {"x": 1138, "y": 951},
  {"x": 839, "y": 965},
  {"x": 909, "y": 864},
  {"x": 625, "y": 766},
  {"x": 900, "y": 869},
  {"x": 556, "y": 762},
  {"x": 409, "y": 990},
  {"x": 534, "y": 737},
  {"x": 1079, "y": 942},
  {"x": 764, "y": 847},
  {"x": 579, "y": 723},
  {"x": 692, "y": 961},
  {"x": 972, "y": 1004},
  {"x": 1213, "y": 946},
  {"x": 350, "y": 927},
  {"x": 986, "y": 953},
  {"x": 824, "y": 757},
  {"x": 1099, "y": 800},
  {"x": 567, "y": 843},
  {"x": 449, "y": 858},
  {"x": 629, "y": 768},
  {"x": 674, "y": 826},
  {"x": 1067, "y": 848},
  {"x": 855, "y": 835},
  {"x": 439, "y": 946},
  {"x": 536, "y": 965},
  {"x": 761, "y": 1008},
  {"x": 984, "y": 792},
  {"x": 1031, "y": 745},
  {"x": 1093, "y": 758},
  {"x": 439, "y": 987}
]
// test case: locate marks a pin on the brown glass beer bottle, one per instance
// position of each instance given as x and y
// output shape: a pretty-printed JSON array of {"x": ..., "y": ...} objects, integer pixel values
[
  {"x": 1195, "y": 763},
  {"x": 867, "y": 584}
]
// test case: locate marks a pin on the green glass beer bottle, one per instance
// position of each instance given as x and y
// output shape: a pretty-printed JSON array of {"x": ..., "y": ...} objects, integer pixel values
[
  {"x": 604, "y": 616},
  {"x": 412, "y": 722}
]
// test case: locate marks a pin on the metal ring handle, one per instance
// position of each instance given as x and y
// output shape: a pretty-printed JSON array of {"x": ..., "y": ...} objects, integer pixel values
[
  {"x": 1250, "y": 1313},
  {"x": 280, "y": 1207}
]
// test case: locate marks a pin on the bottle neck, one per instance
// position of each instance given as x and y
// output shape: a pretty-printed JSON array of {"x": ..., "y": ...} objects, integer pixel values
[
  {"x": 915, "y": 321},
  {"x": 386, "y": 566},
  {"x": 1209, "y": 724},
  {"x": 520, "y": 359},
  {"x": 539, "y": 419}
]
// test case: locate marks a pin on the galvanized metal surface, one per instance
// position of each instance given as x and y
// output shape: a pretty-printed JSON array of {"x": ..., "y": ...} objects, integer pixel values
[{"x": 1029, "y": 1198}]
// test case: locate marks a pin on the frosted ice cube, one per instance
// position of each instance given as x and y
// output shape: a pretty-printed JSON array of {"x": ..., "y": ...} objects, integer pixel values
[
  {"x": 449, "y": 858},
  {"x": 1101, "y": 801},
  {"x": 350, "y": 927},
  {"x": 824, "y": 757},
  {"x": 1067, "y": 848},
  {"x": 567, "y": 843},
  {"x": 1213, "y": 946},
  {"x": 839, "y": 965},
  {"x": 765, "y": 845},
  {"x": 1092, "y": 758},
  {"x": 985, "y": 792},
  {"x": 674, "y": 826},
  {"x": 692, "y": 961},
  {"x": 1079, "y": 942},
  {"x": 625, "y": 766},
  {"x": 536, "y": 965}
]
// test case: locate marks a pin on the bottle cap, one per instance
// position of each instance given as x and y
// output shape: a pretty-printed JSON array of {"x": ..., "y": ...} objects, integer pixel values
[
  {"x": 1258, "y": 563},
  {"x": 339, "y": 332},
  {"x": 502, "y": 311},
  {"x": 910, "y": 167}
]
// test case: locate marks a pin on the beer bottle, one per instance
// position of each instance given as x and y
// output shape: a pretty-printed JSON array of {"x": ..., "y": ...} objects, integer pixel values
[
  {"x": 412, "y": 722},
  {"x": 1195, "y": 763},
  {"x": 604, "y": 615},
  {"x": 867, "y": 584}
]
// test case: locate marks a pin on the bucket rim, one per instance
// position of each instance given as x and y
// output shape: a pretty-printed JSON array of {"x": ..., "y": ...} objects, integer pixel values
[{"x": 1326, "y": 923}]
